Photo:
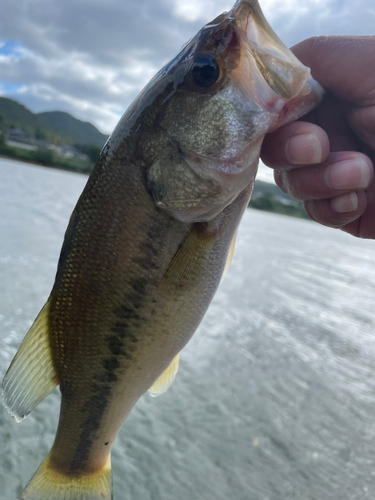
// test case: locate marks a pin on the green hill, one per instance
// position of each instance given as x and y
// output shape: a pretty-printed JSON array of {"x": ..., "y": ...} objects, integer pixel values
[
  {"x": 269, "y": 197},
  {"x": 55, "y": 126},
  {"x": 13, "y": 114},
  {"x": 74, "y": 131}
]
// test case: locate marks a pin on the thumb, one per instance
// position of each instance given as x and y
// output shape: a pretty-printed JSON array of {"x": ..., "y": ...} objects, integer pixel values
[{"x": 345, "y": 65}]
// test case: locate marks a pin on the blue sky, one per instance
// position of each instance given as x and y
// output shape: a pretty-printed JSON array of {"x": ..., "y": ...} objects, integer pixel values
[
  {"x": 92, "y": 57},
  {"x": 9, "y": 88},
  {"x": 9, "y": 47}
]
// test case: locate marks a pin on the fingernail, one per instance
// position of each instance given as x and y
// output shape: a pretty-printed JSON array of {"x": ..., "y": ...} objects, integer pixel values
[
  {"x": 345, "y": 203},
  {"x": 350, "y": 174},
  {"x": 303, "y": 149}
]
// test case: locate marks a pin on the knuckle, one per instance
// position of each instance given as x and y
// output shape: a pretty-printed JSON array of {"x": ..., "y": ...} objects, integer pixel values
[{"x": 292, "y": 185}]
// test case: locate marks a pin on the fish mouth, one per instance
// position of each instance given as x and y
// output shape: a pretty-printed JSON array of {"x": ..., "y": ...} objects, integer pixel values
[{"x": 274, "y": 63}]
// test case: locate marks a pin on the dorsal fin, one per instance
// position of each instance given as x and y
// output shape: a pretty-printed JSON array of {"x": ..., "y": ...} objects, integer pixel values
[{"x": 31, "y": 375}]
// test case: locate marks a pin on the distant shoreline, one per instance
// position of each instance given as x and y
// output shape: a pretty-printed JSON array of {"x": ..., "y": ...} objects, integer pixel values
[
  {"x": 47, "y": 158},
  {"x": 55, "y": 167}
]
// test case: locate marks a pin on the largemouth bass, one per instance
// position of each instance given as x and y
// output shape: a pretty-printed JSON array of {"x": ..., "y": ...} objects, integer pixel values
[{"x": 149, "y": 239}]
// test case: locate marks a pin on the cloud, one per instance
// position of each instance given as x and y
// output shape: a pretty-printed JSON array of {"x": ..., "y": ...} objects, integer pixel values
[
  {"x": 74, "y": 82},
  {"x": 294, "y": 20},
  {"x": 195, "y": 10},
  {"x": 92, "y": 57}
]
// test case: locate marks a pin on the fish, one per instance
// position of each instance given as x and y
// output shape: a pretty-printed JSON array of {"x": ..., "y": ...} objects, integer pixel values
[{"x": 149, "y": 240}]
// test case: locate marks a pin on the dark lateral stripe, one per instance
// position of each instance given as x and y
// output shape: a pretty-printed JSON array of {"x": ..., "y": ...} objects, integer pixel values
[
  {"x": 120, "y": 345},
  {"x": 94, "y": 410}
]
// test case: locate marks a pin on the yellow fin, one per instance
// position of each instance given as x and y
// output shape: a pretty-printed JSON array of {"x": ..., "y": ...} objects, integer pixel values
[
  {"x": 189, "y": 263},
  {"x": 229, "y": 258},
  {"x": 51, "y": 484},
  {"x": 163, "y": 383},
  {"x": 31, "y": 375}
]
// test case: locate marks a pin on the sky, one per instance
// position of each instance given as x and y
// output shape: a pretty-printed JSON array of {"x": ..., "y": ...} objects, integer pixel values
[{"x": 92, "y": 57}]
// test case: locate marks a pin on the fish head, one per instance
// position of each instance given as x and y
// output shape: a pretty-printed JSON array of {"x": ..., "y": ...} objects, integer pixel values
[{"x": 212, "y": 105}]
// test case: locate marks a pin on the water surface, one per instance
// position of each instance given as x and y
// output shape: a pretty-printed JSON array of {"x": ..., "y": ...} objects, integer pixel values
[{"x": 275, "y": 397}]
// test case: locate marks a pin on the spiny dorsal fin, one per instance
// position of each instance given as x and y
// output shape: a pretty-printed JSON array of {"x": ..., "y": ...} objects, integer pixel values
[
  {"x": 31, "y": 375},
  {"x": 229, "y": 258},
  {"x": 163, "y": 383}
]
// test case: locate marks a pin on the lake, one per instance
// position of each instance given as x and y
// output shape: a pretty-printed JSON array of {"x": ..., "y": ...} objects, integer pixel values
[{"x": 275, "y": 396}]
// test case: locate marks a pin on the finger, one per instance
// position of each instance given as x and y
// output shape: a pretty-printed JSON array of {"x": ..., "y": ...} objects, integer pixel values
[
  {"x": 329, "y": 58},
  {"x": 299, "y": 143},
  {"x": 337, "y": 212},
  {"x": 354, "y": 228},
  {"x": 362, "y": 120},
  {"x": 341, "y": 173},
  {"x": 331, "y": 116},
  {"x": 364, "y": 226}
]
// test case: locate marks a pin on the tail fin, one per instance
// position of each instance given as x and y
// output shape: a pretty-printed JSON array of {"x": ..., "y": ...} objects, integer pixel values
[{"x": 50, "y": 484}]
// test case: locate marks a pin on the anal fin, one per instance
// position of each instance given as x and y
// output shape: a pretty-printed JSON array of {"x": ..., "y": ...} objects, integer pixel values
[
  {"x": 163, "y": 383},
  {"x": 31, "y": 375}
]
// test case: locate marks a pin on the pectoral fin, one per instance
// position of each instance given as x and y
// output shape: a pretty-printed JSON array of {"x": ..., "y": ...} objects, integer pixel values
[
  {"x": 31, "y": 375},
  {"x": 185, "y": 272},
  {"x": 163, "y": 383}
]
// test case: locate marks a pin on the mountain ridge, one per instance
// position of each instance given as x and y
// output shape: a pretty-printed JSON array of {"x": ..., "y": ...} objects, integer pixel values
[{"x": 56, "y": 127}]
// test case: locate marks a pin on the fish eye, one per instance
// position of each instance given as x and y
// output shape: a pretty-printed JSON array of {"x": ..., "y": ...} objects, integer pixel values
[{"x": 205, "y": 72}]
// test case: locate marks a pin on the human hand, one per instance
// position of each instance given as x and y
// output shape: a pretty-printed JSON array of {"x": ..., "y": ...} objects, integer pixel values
[{"x": 326, "y": 160}]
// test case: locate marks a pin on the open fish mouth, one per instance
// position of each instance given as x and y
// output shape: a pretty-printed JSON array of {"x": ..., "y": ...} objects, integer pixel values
[{"x": 281, "y": 70}]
